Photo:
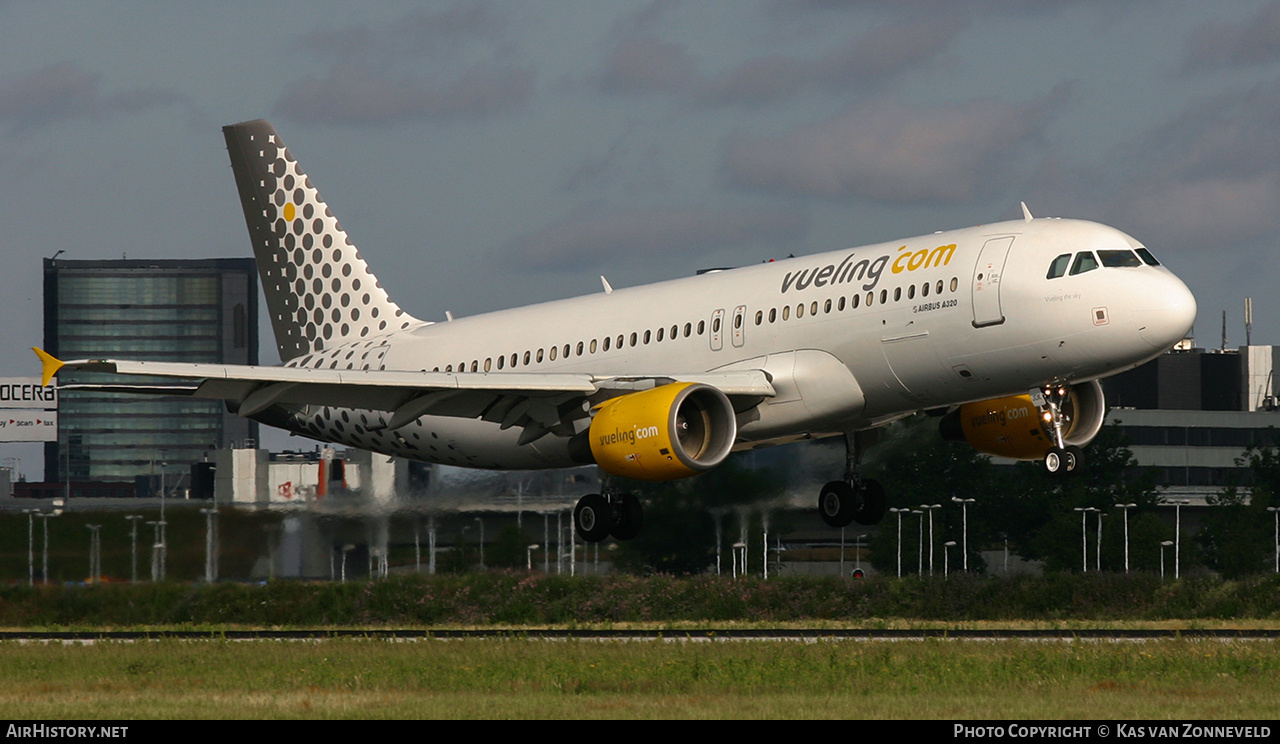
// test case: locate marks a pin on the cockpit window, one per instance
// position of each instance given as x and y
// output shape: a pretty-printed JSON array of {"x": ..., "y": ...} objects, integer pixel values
[
  {"x": 1147, "y": 258},
  {"x": 1113, "y": 259},
  {"x": 1084, "y": 262},
  {"x": 1059, "y": 266}
]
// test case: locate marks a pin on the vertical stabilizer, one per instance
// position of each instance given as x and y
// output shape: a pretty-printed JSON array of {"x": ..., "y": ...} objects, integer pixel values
[{"x": 320, "y": 293}]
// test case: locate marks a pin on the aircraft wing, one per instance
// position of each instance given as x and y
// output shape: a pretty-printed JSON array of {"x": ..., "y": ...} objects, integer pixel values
[{"x": 539, "y": 403}]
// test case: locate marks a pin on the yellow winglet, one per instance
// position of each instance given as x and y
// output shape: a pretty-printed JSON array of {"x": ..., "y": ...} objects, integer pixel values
[{"x": 50, "y": 363}]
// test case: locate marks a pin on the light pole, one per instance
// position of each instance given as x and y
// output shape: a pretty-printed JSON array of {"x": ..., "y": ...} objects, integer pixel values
[
  {"x": 1126, "y": 508},
  {"x": 44, "y": 570},
  {"x": 1275, "y": 512},
  {"x": 920, "y": 544},
  {"x": 95, "y": 553},
  {"x": 528, "y": 556},
  {"x": 480, "y": 522},
  {"x": 133, "y": 550},
  {"x": 1163, "y": 544},
  {"x": 31, "y": 552},
  {"x": 964, "y": 545},
  {"x": 1177, "y": 536},
  {"x": 210, "y": 544},
  {"x": 1084, "y": 537},
  {"x": 346, "y": 549},
  {"x": 899, "y": 512},
  {"x": 157, "y": 567},
  {"x": 1097, "y": 549},
  {"x": 946, "y": 556},
  {"x": 929, "y": 508}
]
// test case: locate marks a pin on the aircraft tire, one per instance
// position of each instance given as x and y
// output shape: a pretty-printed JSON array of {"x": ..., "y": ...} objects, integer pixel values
[
  {"x": 1058, "y": 461},
  {"x": 1075, "y": 459},
  {"x": 593, "y": 518},
  {"x": 837, "y": 504},
  {"x": 874, "y": 502},
  {"x": 628, "y": 517}
]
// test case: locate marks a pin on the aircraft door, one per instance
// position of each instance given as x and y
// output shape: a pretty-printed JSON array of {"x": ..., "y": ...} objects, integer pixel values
[
  {"x": 717, "y": 330},
  {"x": 986, "y": 282},
  {"x": 739, "y": 323}
]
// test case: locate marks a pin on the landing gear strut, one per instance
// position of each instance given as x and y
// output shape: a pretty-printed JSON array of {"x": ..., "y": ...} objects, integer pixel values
[
  {"x": 597, "y": 516},
  {"x": 1062, "y": 458},
  {"x": 854, "y": 499}
]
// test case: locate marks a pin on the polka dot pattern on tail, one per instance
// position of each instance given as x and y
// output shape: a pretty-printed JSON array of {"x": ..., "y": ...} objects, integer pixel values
[{"x": 306, "y": 261}]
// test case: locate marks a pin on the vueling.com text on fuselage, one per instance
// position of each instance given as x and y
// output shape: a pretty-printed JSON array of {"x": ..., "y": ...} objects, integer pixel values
[{"x": 867, "y": 269}]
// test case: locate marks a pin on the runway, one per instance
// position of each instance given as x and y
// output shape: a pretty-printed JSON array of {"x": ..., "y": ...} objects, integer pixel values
[{"x": 666, "y": 636}]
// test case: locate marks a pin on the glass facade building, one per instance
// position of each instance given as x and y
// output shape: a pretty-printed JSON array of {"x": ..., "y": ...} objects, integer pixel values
[{"x": 171, "y": 310}]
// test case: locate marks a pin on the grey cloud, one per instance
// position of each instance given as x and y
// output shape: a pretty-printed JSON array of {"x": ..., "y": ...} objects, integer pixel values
[
  {"x": 1253, "y": 41},
  {"x": 418, "y": 34},
  {"x": 642, "y": 63},
  {"x": 64, "y": 91},
  {"x": 884, "y": 150},
  {"x": 363, "y": 96},
  {"x": 1211, "y": 174},
  {"x": 1207, "y": 213},
  {"x": 588, "y": 238},
  {"x": 375, "y": 73}
]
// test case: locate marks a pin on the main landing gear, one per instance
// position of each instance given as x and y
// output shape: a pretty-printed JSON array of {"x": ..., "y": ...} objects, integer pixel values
[
  {"x": 1062, "y": 458},
  {"x": 854, "y": 499},
  {"x": 598, "y": 516}
]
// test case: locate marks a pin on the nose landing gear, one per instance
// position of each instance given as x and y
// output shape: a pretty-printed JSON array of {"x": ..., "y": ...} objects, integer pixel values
[{"x": 1062, "y": 458}]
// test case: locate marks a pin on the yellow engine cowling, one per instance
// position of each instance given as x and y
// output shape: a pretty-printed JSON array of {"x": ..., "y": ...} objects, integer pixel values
[
  {"x": 1012, "y": 427},
  {"x": 672, "y": 431}
]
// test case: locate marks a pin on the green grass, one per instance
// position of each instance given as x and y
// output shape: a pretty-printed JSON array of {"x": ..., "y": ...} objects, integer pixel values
[{"x": 1180, "y": 679}]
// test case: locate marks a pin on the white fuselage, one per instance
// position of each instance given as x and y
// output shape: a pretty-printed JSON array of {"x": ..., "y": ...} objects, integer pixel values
[{"x": 851, "y": 338}]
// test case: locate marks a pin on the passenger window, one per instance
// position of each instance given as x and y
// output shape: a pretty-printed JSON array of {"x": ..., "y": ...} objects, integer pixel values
[
  {"x": 1059, "y": 266},
  {"x": 800, "y": 310},
  {"x": 1084, "y": 262},
  {"x": 1114, "y": 259}
]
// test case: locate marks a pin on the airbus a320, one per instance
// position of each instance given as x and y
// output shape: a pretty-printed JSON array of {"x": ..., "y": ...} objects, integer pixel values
[{"x": 1005, "y": 329}]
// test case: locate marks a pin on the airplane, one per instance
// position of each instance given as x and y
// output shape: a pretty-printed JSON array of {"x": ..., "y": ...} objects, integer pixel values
[{"x": 1003, "y": 330}]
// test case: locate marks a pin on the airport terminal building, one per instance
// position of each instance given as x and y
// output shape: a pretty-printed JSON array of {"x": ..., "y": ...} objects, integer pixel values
[{"x": 165, "y": 310}]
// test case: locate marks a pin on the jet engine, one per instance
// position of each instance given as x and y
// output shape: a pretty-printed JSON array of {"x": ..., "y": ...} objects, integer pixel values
[
  {"x": 1016, "y": 428},
  {"x": 672, "y": 431}
]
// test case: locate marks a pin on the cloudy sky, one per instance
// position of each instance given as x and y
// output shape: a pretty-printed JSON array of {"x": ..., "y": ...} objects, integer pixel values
[{"x": 490, "y": 154}]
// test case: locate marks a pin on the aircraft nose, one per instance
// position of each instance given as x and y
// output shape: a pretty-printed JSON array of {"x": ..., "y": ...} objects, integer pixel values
[{"x": 1169, "y": 312}]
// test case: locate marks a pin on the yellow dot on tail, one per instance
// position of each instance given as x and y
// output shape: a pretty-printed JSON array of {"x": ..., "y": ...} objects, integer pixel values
[{"x": 288, "y": 212}]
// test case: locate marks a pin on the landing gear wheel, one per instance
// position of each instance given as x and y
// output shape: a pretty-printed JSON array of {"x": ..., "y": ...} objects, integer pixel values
[
  {"x": 1060, "y": 461},
  {"x": 873, "y": 503},
  {"x": 838, "y": 503},
  {"x": 628, "y": 516},
  {"x": 593, "y": 518},
  {"x": 1075, "y": 459}
]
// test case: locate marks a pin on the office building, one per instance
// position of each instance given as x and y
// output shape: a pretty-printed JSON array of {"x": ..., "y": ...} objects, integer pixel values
[{"x": 162, "y": 310}]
